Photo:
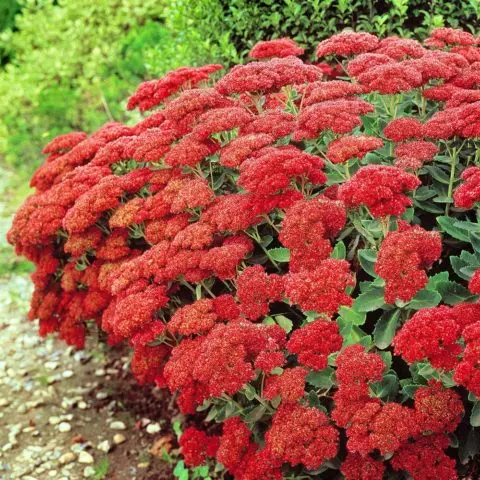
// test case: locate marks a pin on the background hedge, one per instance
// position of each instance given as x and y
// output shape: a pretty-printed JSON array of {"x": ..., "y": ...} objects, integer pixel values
[{"x": 72, "y": 63}]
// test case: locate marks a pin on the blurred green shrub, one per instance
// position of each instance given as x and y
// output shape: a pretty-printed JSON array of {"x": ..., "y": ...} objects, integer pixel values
[
  {"x": 72, "y": 64},
  {"x": 229, "y": 28}
]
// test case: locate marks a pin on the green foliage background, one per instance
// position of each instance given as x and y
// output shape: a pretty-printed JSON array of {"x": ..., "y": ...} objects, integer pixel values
[{"x": 70, "y": 64}]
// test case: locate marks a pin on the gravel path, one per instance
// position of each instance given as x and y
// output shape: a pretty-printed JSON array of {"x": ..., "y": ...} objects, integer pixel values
[{"x": 67, "y": 414}]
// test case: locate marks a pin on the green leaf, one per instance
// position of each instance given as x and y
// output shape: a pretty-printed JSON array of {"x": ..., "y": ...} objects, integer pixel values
[
  {"x": 321, "y": 379},
  {"x": 458, "y": 264},
  {"x": 448, "y": 226},
  {"x": 475, "y": 241},
  {"x": 352, "y": 316},
  {"x": 409, "y": 389},
  {"x": 475, "y": 415},
  {"x": 280, "y": 255},
  {"x": 426, "y": 371},
  {"x": 266, "y": 240},
  {"x": 434, "y": 280},
  {"x": 256, "y": 414},
  {"x": 284, "y": 322},
  {"x": 268, "y": 321},
  {"x": 180, "y": 471},
  {"x": 313, "y": 399},
  {"x": 453, "y": 292},
  {"x": 387, "y": 359},
  {"x": 249, "y": 391},
  {"x": 385, "y": 329},
  {"x": 372, "y": 299},
  {"x": 387, "y": 388},
  {"x": 425, "y": 299},
  {"x": 339, "y": 251},
  {"x": 469, "y": 446},
  {"x": 367, "y": 259}
]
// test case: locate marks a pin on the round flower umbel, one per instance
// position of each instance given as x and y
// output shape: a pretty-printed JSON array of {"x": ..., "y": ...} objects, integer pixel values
[{"x": 292, "y": 249}]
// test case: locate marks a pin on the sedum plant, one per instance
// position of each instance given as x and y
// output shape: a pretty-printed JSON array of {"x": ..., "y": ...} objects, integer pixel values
[{"x": 292, "y": 249}]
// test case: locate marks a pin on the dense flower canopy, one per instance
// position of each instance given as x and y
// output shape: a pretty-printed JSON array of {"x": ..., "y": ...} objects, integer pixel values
[{"x": 292, "y": 249}]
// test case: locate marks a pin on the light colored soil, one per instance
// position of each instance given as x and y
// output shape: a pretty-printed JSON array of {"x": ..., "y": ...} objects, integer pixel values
[{"x": 56, "y": 403}]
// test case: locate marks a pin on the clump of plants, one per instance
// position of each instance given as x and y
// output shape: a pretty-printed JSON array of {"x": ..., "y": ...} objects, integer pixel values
[{"x": 292, "y": 249}]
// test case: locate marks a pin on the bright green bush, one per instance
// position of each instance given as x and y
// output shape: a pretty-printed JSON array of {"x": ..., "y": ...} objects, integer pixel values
[
  {"x": 71, "y": 67},
  {"x": 230, "y": 28}
]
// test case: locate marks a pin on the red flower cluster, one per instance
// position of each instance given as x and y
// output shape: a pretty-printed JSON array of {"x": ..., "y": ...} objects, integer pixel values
[
  {"x": 301, "y": 435},
  {"x": 412, "y": 155},
  {"x": 322, "y": 289},
  {"x": 356, "y": 369},
  {"x": 314, "y": 342},
  {"x": 307, "y": 229},
  {"x": 346, "y": 148},
  {"x": 467, "y": 194},
  {"x": 380, "y": 188},
  {"x": 197, "y": 446},
  {"x": 282, "y": 47},
  {"x": 431, "y": 334},
  {"x": 403, "y": 258}
]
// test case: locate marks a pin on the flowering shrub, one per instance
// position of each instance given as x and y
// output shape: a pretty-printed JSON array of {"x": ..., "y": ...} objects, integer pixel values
[{"x": 296, "y": 257}]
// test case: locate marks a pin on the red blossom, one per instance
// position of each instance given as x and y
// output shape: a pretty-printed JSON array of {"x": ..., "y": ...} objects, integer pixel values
[
  {"x": 281, "y": 47},
  {"x": 301, "y": 435},
  {"x": 340, "y": 116},
  {"x": 358, "y": 467},
  {"x": 272, "y": 169},
  {"x": 289, "y": 385},
  {"x": 431, "y": 334},
  {"x": 381, "y": 188},
  {"x": 197, "y": 446},
  {"x": 383, "y": 427},
  {"x": 403, "y": 128},
  {"x": 437, "y": 409},
  {"x": 468, "y": 193},
  {"x": 474, "y": 284},
  {"x": 403, "y": 257},
  {"x": 425, "y": 459},
  {"x": 347, "y": 43},
  {"x": 256, "y": 290},
  {"x": 413, "y": 155},
  {"x": 152, "y": 93},
  {"x": 321, "y": 289},
  {"x": 392, "y": 78},
  {"x": 314, "y": 342},
  {"x": 346, "y": 148},
  {"x": 64, "y": 142}
]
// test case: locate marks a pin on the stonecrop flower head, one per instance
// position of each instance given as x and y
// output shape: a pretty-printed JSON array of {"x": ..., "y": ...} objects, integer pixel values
[
  {"x": 280, "y": 47},
  {"x": 437, "y": 409},
  {"x": 358, "y": 467},
  {"x": 391, "y": 78},
  {"x": 256, "y": 290},
  {"x": 314, "y": 342},
  {"x": 412, "y": 155},
  {"x": 321, "y": 289},
  {"x": 301, "y": 435},
  {"x": 468, "y": 193},
  {"x": 381, "y": 188},
  {"x": 197, "y": 446},
  {"x": 346, "y": 148},
  {"x": 430, "y": 334},
  {"x": 403, "y": 128},
  {"x": 340, "y": 116},
  {"x": 152, "y": 93},
  {"x": 347, "y": 43},
  {"x": 403, "y": 259}
]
